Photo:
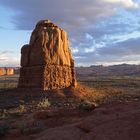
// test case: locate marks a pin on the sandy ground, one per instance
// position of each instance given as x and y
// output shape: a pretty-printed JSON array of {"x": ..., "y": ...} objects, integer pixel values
[{"x": 115, "y": 121}]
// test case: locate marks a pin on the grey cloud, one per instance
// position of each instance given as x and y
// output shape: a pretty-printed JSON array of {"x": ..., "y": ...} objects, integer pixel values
[
  {"x": 123, "y": 22},
  {"x": 123, "y": 52},
  {"x": 68, "y": 13},
  {"x": 75, "y": 16},
  {"x": 128, "y": 47}
]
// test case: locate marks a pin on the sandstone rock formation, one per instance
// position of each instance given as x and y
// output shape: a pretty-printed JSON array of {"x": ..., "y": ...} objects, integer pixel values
[
  {"x": 6, "y": 71},
  {"x": 10, "y": 71},
  {"x": 2, "y": 71},
  {"x": 46, "y": 62}
]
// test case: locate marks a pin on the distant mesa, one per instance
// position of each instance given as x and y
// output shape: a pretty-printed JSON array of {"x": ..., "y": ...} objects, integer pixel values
[
  {"x": 46, "y": 62},
  {"x": 6, "y": 71}
]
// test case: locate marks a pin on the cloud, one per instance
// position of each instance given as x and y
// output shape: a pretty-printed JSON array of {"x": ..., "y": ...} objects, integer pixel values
[
  {"x": 8, "y": 58},
  {"x": 88, "y": 50},
  {"x": 125, "y": 48},
  {"x": 96, "y": 28},
  {"x": 127, "y": 51},
  {"x": 107, "y": 63},
  {"x": 74, "y": 50},
  {"x": 2, "y": 59},
  {"x": 68, "y": 14},
  {"x": 125, "y": 3}
]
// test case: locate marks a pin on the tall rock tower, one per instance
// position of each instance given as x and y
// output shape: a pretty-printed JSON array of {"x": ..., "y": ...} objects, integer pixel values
[{"x": 46, "y": 62}]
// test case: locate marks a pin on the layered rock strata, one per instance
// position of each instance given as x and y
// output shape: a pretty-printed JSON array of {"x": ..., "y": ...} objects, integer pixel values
[{"x": 46, "y": 62}]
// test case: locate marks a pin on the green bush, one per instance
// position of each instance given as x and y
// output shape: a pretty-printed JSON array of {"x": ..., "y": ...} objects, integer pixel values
[
  {"x": 87, "y": 105},
  {"x": 4, "y": 130},
  {"x": 44, "y": 103},
  {"x": 22, "y": 109},
  {"x": 3, "y": 113}
]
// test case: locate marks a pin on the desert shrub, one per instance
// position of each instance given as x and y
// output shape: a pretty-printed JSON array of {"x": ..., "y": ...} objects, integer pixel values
[
  {"x": 2, "y": 113},
  {"x": 22, "y": 109},
  {"x": 44, "y": 103},
  {"x": 4, "y": 130},
  {"x": 87, "y": 105}
]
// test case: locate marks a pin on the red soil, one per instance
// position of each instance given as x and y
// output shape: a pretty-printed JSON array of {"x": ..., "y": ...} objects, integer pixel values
[{"x": 115, "y": 121}]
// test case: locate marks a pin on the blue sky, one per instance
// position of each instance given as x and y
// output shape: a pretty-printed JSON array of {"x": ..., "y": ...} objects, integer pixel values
[{"x": 103, "y": 32}]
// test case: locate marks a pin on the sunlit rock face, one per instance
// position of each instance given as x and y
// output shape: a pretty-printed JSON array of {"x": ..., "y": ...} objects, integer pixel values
[
  {"x": 46, "y": 62},
  {"x": 2, "y": 71},
  {"x": 6, "y": 71}
]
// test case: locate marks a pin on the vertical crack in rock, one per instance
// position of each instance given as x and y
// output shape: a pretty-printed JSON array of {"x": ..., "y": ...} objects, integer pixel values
[{"x": 46, "y": 62}]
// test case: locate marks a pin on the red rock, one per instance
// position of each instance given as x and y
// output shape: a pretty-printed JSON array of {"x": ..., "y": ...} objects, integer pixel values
[
  {"x": 46, "y": 62},
  {"x": 6, "y": 71}
]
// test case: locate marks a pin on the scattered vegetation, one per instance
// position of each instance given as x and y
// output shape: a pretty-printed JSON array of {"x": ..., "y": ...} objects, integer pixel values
[
  {"x": 3, "y": 113},
  {"x": 22, "y": 109},
  {"x": 43, "y": 104},
  {"x": 107, "y": 89},
  {"x": 110, "y": 81},
  {"x": 87, "y": 105},
  {"x": 100, "y": 90}
]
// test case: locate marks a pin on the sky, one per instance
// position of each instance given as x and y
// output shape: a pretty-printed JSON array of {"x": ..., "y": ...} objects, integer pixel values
[{"x": 101, "y": 32}]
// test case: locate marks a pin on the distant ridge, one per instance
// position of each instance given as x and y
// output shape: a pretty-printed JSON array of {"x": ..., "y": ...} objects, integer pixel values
[
  {"x": 100, "y": 70},
  {"x": 114, "y": 70}
]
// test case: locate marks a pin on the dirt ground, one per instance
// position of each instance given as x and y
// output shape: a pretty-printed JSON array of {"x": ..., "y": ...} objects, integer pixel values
[
  {"x": 117, "y": 116},
  {"x": 114, "y": 121}
]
